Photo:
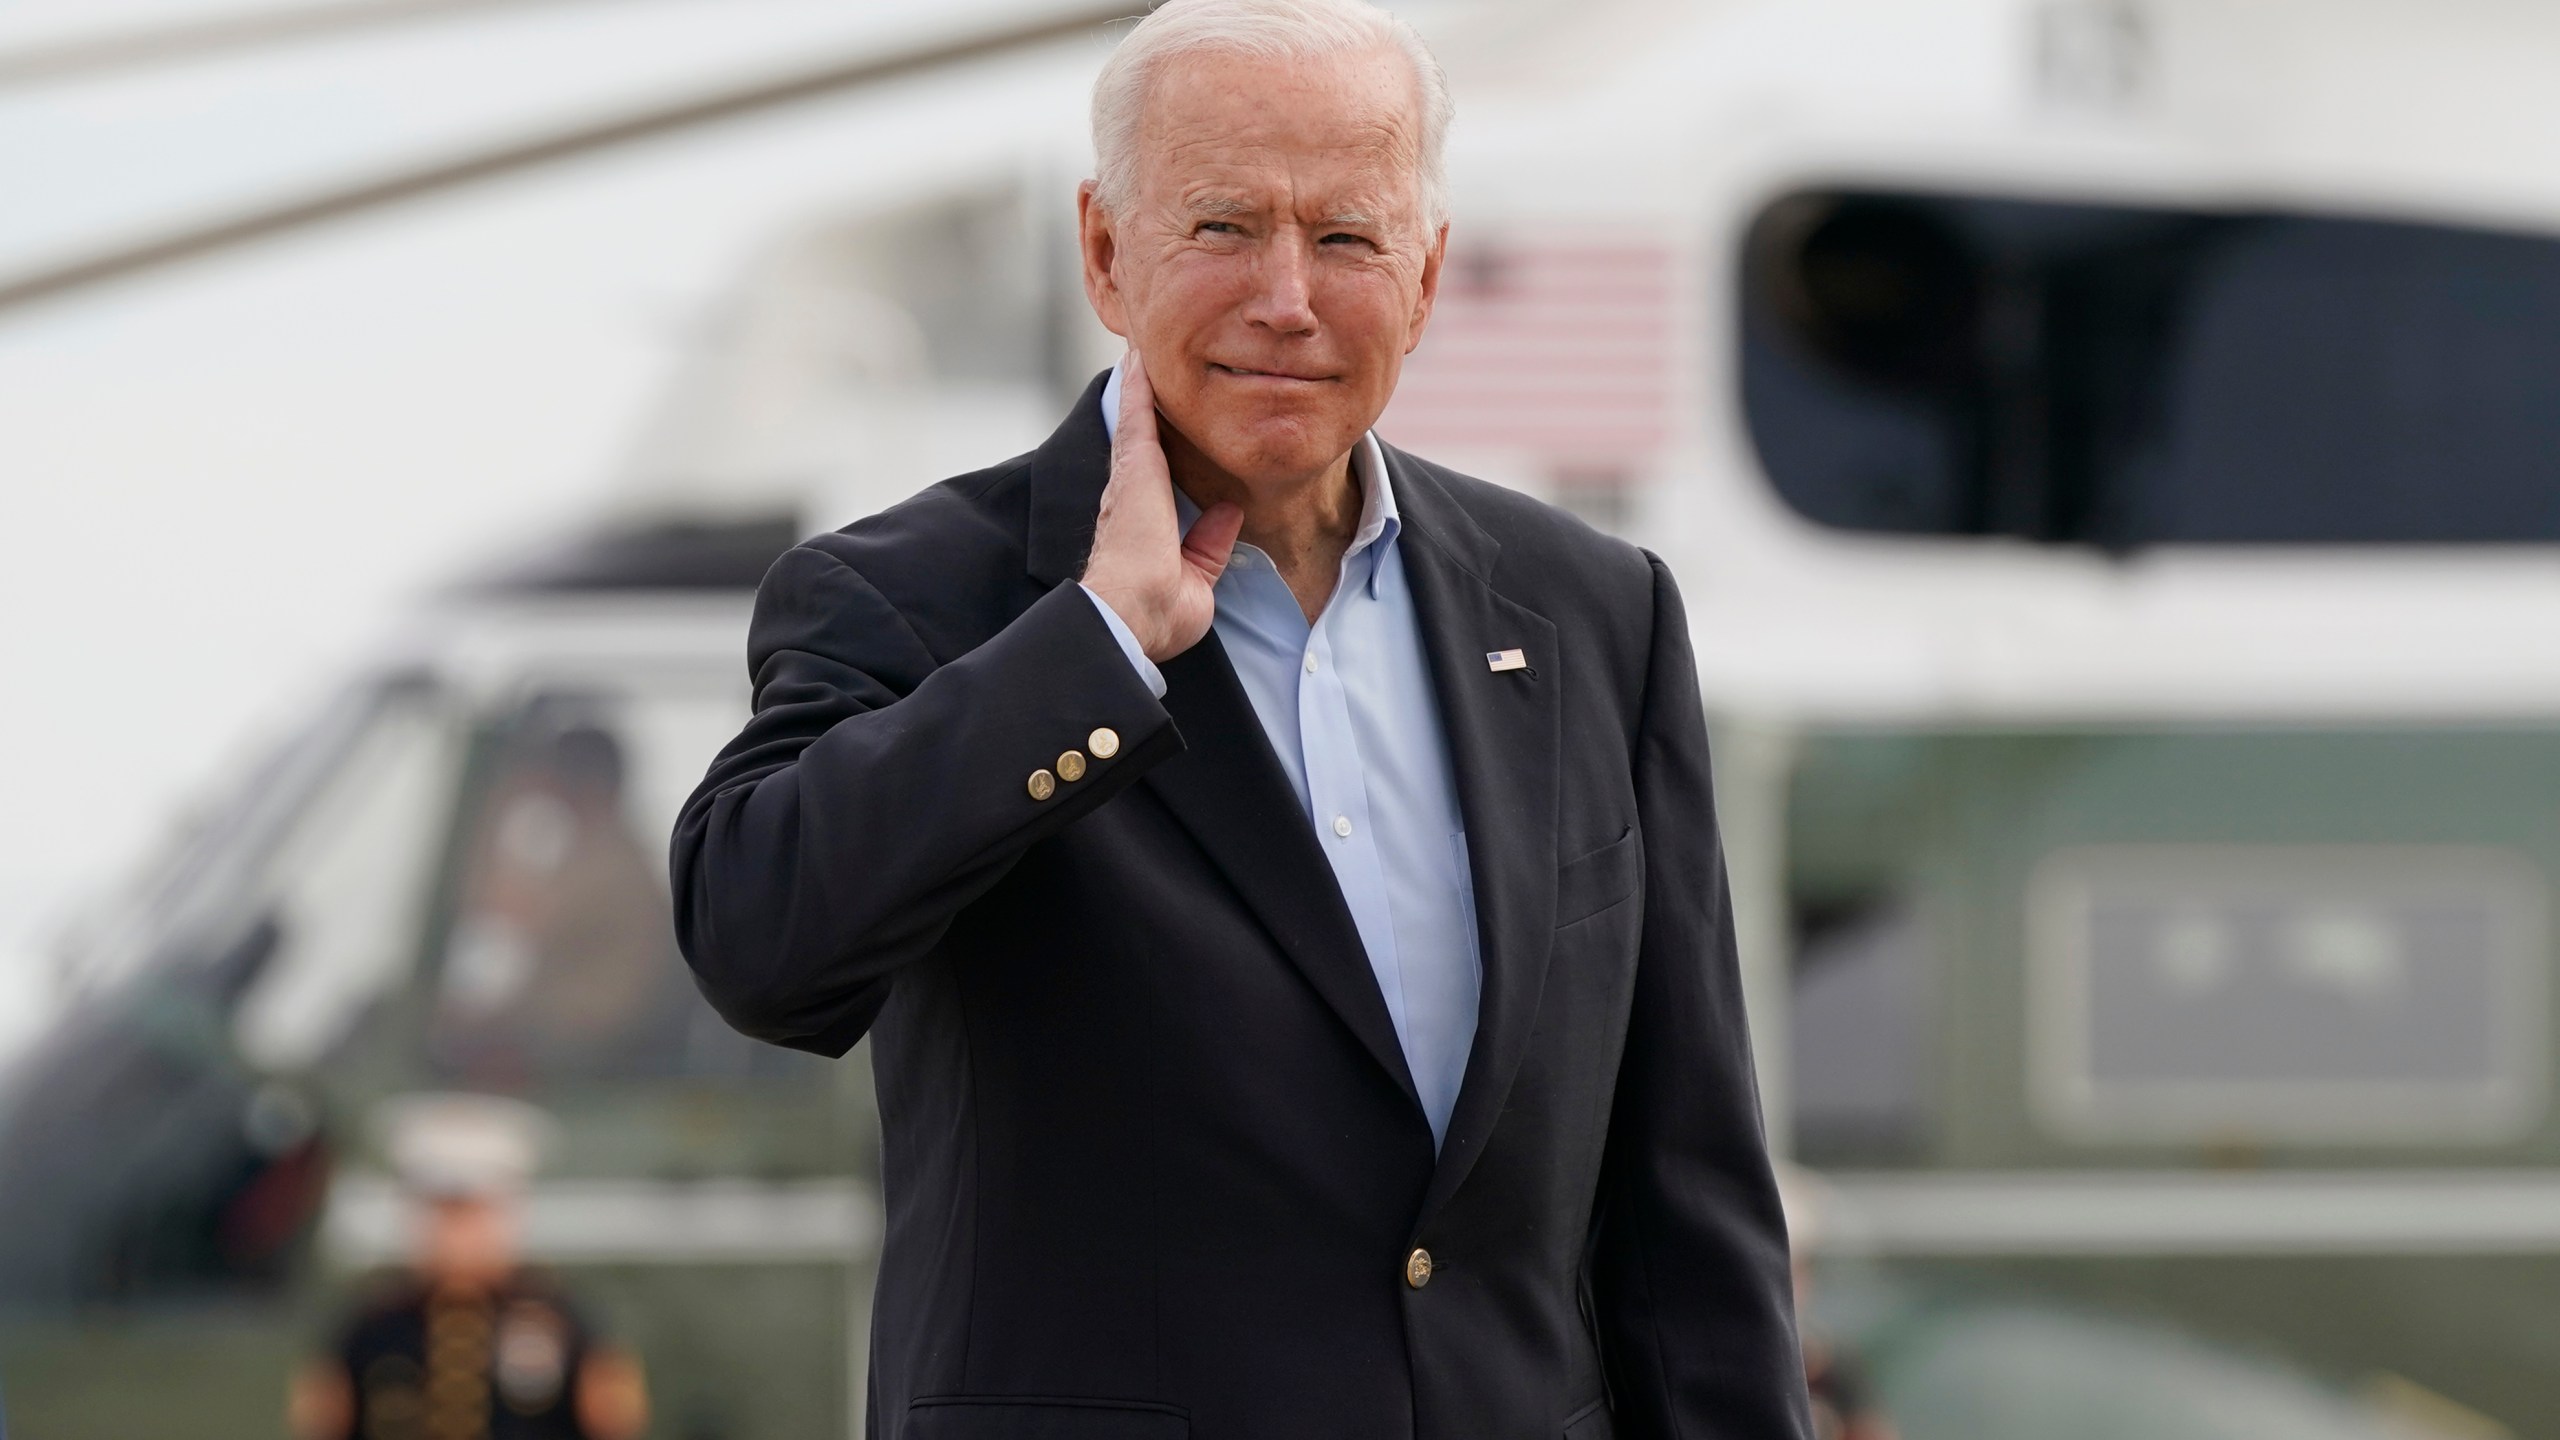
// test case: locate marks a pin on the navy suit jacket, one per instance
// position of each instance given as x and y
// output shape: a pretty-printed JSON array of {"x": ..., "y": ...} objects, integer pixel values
[{"x": 1153, "y": 1164}]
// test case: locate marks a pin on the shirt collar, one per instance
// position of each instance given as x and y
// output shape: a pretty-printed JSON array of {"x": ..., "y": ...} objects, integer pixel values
[{"x": 1379, "y": 521}]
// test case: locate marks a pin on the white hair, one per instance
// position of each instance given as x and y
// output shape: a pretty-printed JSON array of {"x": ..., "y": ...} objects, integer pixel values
[{"x": 1264, "y": 30}]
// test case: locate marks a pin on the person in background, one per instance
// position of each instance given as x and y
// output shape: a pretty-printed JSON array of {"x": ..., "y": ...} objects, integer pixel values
[
  {"x": 465, "y": 1344},
  {"x": 1844, "y": 1405},
  {"x": 561, "y": 961}
]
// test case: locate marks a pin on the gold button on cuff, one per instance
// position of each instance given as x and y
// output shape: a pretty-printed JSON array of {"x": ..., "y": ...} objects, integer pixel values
[
  {"x": 1104, "y": 743},
  {"x": 1042, "y": 785},
  {"x": 1071, "y": 765},
  {"x": 1417, "y": 1269}
]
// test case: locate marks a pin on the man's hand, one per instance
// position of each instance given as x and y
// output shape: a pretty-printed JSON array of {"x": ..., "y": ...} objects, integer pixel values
[{"x": 1155, "y": 578}]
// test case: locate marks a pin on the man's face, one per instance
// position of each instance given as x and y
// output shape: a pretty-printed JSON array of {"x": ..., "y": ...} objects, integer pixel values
[
  {"x": 468, "y": 1241},
  {"x": 1272, "y": 262}
]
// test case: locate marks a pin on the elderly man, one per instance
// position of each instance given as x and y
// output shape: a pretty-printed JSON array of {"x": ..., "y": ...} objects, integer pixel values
[{"x": 1296, "y": 956}]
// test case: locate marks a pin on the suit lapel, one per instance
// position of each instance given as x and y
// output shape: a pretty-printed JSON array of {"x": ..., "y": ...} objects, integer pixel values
[
  {"x": 1503, "y": 733},
  {"x": 1226, "y": 787},
  {"x": 1228, "y": 790}
]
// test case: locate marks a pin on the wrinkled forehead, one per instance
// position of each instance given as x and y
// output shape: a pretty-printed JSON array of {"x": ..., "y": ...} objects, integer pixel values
[{"x": 1222, "y": 133}]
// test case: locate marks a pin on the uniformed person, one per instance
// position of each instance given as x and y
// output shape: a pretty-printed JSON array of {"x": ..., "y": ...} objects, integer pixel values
[{"x": 465, "y": 1344}]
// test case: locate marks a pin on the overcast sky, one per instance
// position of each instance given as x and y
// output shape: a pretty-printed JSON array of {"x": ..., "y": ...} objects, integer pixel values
[{"x": 218, "y": 485}]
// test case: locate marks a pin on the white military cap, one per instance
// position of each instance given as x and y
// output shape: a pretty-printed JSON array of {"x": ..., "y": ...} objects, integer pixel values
[{"x": 460, "y": 1145}]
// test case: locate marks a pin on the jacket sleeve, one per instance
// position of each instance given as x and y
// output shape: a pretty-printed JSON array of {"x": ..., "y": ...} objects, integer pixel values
[
  {"x": 1690, "y": 1282},
  {"x": 877, "y": 790}
]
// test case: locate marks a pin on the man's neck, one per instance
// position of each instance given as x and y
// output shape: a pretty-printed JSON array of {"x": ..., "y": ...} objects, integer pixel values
[{"x": 1304, "y": 525}]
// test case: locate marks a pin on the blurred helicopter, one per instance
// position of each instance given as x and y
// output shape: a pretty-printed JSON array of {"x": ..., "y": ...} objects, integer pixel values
[{"x": 2109, "y": 461}]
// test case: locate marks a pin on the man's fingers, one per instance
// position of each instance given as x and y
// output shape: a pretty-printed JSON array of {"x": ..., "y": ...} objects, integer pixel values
[
  {"x": 1139, "y": 476},
  {"x": 1154, "y": 577},
  {"x": 1137, "y": 404},
  {"x": 1213, "y": 538}
]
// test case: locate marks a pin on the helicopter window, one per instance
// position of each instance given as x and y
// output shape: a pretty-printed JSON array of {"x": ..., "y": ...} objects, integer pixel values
[
  {"x": 559, "y": 959},
  {"x": 2118, "y": 376},
  {"x": 221, "y": 851},
  {"x": 348, "y": 889},
  {"x": 2297, "y": 992}
]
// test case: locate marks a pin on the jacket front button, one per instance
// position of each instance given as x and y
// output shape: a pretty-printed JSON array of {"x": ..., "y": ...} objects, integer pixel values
[
  {"x": 1417, "y": 1268},
  {"x": 1042, "y": 785}
]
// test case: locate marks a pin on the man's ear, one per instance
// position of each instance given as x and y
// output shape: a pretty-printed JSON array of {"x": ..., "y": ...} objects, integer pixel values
[
  {"x": 1099, "y": 247},
  {"x": 1430, "y": 293}
]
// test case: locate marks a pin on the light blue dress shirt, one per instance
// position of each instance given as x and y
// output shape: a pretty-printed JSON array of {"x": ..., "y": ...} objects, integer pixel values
[{"x": 1348, "y": 706}]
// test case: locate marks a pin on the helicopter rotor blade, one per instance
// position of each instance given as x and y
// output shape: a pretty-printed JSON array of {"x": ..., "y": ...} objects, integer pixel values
[
  {"x": 86, "y": 57},
  {"x": 276, "y": 218}
]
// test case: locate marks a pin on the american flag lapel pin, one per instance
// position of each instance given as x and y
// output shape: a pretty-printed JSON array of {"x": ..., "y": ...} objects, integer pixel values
[{"x": 1498, "y": 661}]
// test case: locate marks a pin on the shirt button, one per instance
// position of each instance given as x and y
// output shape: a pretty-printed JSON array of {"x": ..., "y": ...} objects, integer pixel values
[
  {"x": 1311, "y": 662},
  {"x": 1342, "y": 826},
  {"x": 1417, "y": 1268}
]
